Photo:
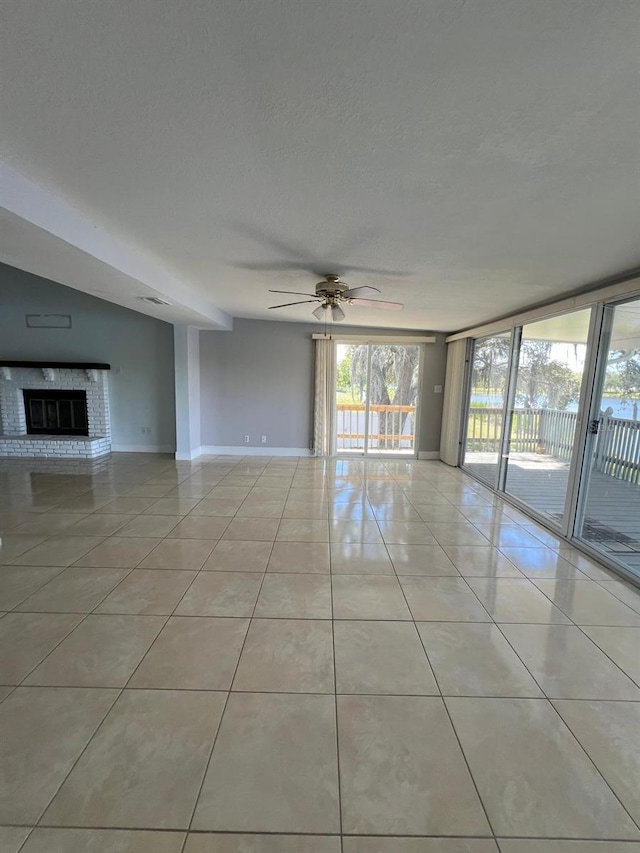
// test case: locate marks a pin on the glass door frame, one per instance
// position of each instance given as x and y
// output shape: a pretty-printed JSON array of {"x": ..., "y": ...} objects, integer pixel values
[
  {"x": 367, "y": 403},
  {"x": 594, "y": 370},
  {"x": 508, "y": 410},
  {"x": 466, "y": 403},
  {"x": 365, "y": 452},
  {"x": 599, "y": 335},
  {"x": 585, "y": 447},
  {"x": 565, "y": 525},
  {"x": 467, "y": 390}
]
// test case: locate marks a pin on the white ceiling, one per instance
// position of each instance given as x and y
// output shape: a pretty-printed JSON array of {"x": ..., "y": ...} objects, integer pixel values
[{"x": 468, "y": 158}]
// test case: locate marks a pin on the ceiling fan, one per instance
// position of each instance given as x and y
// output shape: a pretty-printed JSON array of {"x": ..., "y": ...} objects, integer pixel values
[{"x": 332, "y": 292}]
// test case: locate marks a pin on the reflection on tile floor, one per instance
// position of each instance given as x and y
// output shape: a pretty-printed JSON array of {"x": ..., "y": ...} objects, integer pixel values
[{"x": 284, "y": 655}]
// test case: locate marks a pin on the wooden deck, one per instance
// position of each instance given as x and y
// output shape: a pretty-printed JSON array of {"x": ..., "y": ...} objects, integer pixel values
[{"x": 612, "y": 517}]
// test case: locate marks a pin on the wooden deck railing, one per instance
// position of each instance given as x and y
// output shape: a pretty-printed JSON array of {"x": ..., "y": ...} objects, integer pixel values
[
  {"x": 618, "y": 449},
  {"x": 390, "y": 427},
  {"x": 551, "y": 432}
]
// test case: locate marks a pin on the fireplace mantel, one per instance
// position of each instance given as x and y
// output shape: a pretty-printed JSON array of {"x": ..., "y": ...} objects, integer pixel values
[{"x": 68, "y": 365}]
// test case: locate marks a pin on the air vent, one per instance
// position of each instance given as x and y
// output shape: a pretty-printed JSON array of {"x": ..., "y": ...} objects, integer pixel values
[{"x": 155, "y": 300}]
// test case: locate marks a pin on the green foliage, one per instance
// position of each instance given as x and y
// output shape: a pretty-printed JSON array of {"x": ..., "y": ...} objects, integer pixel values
[
  {"x": 343, "y": 371},
  {"x": 393, "y": 378},
  {"x": 541, "y": 381},
  {"x": 490, "y": 364},
  {"x": 394, "y": 372},
  {"x": 623, "y": 373}
]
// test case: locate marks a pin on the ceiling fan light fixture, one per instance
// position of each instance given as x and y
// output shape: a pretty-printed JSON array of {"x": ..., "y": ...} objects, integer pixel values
[
  {"x": 318, "y": 313},
  {"x": 331, "y": 293}
]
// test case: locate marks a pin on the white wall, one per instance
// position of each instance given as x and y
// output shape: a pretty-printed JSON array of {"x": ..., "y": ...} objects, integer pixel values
[
  {"x": 138, "y": 348},
  {"x": 186, "y": 347},
  {"x": 258, "y": 380}
]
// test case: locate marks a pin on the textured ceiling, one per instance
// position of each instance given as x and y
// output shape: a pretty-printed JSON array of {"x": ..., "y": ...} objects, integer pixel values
[{"x": 468, "y": 158}]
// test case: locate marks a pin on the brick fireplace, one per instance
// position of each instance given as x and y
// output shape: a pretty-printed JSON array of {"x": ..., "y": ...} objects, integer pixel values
[{"x": 47, "y": 383}]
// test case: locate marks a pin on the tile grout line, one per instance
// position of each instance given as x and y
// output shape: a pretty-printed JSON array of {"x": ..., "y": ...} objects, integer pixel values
[
  {"x": 545, "y": 697},
  {"x": 81, "y": 753},
  {"x": 198, "y": 573},
  {"x": 120, "y": 691},
  {"x": 446, "y": 709},
  {"x": 85, "y": 617},
  {"x": 549, "y": 702},
  {"x": 22, "y": 601},
  {"x": 584, "y": 633},
  {"x": 593, "y": 763},
  {"x": 445, "y": 695},
  {"x": 335, "y": 687},
  {"x": 350, "y": 835},
  {"x": 226, "y": 702}
]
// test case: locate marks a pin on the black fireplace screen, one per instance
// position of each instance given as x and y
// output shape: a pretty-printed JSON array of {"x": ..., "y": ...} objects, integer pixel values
[{"x": 56, "y": 412}]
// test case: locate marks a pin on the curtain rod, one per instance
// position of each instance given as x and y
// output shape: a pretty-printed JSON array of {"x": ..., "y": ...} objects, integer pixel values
[{"x": 388, "y": 339}]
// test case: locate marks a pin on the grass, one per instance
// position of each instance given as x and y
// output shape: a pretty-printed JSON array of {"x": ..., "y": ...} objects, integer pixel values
[{"x": 346, "y": 397}]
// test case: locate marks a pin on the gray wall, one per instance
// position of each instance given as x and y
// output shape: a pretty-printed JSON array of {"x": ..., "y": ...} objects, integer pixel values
[
  {"x": 138, "y": 348},
  {"x": 258, "y": 380}
]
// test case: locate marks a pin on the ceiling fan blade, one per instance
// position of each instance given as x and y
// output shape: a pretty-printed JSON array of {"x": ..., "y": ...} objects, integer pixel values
[
  {"x": 294, "y": 292},
  {"x": 377, "y": 303},
  {"x": 359, "y": 291},
  {"x": 287, "y": 304}
]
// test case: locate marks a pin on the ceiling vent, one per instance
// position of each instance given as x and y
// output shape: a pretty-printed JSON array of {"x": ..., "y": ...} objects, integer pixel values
[{"x": 154, "y": 300}]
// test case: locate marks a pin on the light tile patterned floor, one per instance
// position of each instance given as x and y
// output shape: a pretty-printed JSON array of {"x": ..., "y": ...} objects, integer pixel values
[{"x": 273, "y": 655}]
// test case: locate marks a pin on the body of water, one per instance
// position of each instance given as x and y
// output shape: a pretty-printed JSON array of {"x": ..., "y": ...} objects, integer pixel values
[{"x": 629, "y": 409}]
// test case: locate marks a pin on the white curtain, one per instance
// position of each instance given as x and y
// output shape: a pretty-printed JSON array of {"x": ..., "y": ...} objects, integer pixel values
[
  {"x": 324, "y": 405},
  {"x": 452, "y": 407}
]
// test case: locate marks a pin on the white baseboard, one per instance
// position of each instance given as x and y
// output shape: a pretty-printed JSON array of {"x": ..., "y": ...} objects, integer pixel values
[
  {"x": 244, "y": 450},
  {"x": 429, "y": 454},
  {"x": 142, "y": 448},
  {"x": 188, "y": 456}
]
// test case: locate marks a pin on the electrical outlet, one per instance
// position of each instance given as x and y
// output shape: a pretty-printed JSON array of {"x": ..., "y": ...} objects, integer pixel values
[
  {"x": 263, "y": 439},
  {"x": 245, "y": 438},
  {"x": 437, "y": 389}
]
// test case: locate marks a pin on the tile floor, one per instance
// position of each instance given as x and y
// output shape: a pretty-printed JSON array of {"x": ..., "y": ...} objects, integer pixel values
[{"x": 272, "y": 655}]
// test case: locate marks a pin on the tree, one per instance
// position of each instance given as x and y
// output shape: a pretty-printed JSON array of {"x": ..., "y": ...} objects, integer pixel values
[
  {"x": 544, "y": 383},
  {"x": 393, "y": 379},
  {"x": 343, "y": 371},
  {"x": 623, "y": 377},
  {"x": 490, "y": 365}
]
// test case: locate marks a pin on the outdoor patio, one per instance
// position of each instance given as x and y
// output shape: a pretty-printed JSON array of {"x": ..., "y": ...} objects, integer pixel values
[{"x": 612, "y": 518}]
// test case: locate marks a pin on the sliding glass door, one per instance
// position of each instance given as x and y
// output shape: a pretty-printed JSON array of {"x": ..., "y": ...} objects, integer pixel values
[
  {"x": 351, "y": 410},
  {"x": 553, "y": 420},
  {"x": 487, "y": 400},
  {"x": 377, "y": 389},
  {"x": 609, "y": 506},
  {"x": 544, "y": 411}
]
